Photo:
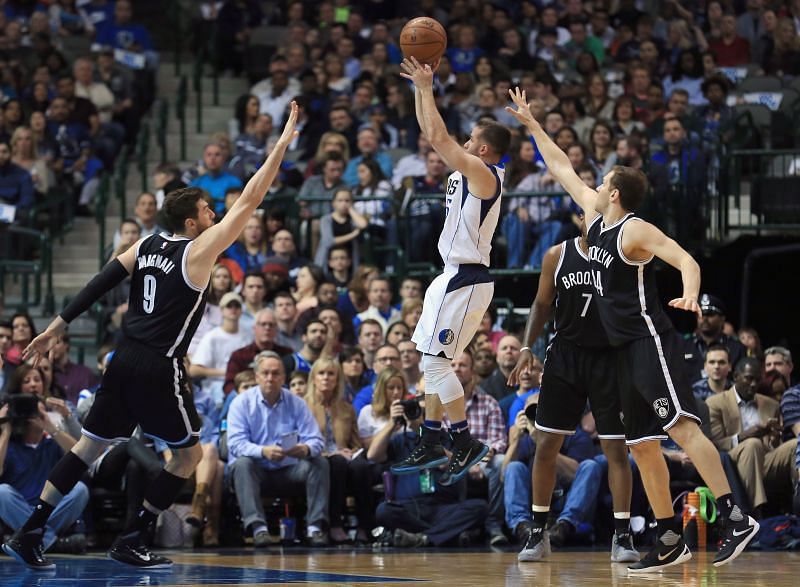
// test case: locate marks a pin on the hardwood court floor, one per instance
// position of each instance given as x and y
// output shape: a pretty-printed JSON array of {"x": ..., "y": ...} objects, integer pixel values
[{"x": 397, "y": 568}]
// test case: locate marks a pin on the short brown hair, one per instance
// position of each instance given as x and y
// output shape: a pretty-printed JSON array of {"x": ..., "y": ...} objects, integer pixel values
[
  {"x": 632, "y": 186},
  {"x": 180, "y": 205},
  {"x": 497, "y": 136}
]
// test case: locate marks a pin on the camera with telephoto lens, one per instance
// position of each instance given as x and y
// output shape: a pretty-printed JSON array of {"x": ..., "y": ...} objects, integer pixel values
[
  {"x": 530, "y": 414},
  {"x": 21, "y": 408},
  {"x": 411, "y": 409}
]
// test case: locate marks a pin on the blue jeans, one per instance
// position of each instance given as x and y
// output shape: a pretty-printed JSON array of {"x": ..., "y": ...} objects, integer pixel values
[
  {"x": 582, "y": 493},
  {"x": 15, "y": 511},
  {"x": 517, "y": 494},
  {"x": 517, "y": 234}
]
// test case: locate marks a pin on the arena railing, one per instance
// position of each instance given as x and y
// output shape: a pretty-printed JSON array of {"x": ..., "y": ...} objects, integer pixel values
[
  {"x": 759, "y": 192},
  {"x": 25, "y": 255}
]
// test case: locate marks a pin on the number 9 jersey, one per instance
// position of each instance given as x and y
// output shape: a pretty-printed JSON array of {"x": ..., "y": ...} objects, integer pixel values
[{"x": 164, "y": 307}]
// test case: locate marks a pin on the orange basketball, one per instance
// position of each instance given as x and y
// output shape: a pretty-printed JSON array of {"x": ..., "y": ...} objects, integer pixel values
[{"x": 423, "y": 38}]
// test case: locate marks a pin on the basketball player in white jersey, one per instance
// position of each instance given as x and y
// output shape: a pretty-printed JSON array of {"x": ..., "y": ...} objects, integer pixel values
[
  {"x": 458, "y": 298},
  {"x": 655, "y": 390}
]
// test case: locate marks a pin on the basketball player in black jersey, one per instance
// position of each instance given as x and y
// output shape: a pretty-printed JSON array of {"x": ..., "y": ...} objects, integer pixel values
[
  {"x": 579, "y": 366},
  {"x": 655, "y": 392},
  {"x": 146, "y": 384}
]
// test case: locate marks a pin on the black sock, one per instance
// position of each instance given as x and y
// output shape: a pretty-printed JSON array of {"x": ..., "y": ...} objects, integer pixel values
[
  {"x": 460, "y": 433},
  {"x": 160, "y": 495},
  {"x": 432, "y": 432},
  {"x": 39, "y": 517},
  {"x": 669, "y": 530},
  {"x": 540, "y": 519},
  {"x": 622, "y": 526},
  {"x": 728, "y": 508}
]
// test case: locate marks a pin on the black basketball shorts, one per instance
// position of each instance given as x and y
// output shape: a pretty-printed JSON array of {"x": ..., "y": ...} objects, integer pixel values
[
  {"x": 654, "y": 386},
  {"x": 145, "y": 388},
  {"x": 572, "y": 375}
]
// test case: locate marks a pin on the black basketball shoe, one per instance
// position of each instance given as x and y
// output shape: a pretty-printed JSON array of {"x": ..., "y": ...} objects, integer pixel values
[
  {"x": 27, "y": 549},
  {"x": 424, "y": 456},
  {"x": 129, "y": 550},
  {"x": 462, "y": 460},
  {"x": 662, "y": 556},
  {"x": 737, "y": 536}
]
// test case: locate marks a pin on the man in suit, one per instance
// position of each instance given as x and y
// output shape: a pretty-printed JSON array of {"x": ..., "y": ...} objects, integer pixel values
[{"x": 747, "y": 425}]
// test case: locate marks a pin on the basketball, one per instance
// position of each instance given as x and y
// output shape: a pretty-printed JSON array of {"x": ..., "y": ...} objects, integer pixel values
[{"x": 424, "y": 39}]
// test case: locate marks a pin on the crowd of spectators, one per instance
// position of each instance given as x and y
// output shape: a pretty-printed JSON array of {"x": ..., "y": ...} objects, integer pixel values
[{"x": 304, "y": 373}]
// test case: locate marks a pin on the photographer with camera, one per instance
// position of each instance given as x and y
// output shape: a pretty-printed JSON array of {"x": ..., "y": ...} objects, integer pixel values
[
  {"x": 390, "y": 387},
  {"x": 418, "y": 510},
  {"x": 30, "y": 446}
]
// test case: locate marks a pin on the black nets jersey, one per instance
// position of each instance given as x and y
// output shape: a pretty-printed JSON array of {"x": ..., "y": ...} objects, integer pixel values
[
  {"x": 577, "y": 319},
  {"x": 164, "y": 308},
  {"x": 627, "y": 297}
]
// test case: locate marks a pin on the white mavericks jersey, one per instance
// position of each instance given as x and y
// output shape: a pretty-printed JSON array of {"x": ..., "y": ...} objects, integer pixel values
[{"x": 470, "y": 222}]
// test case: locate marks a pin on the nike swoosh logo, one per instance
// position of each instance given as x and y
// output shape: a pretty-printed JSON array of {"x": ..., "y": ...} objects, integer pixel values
[
  {"x": 146, "y": 558},
  {"x": 669, "y": 554},
  {"x": 743, "y": 532},
  {"x": 464, "y": 462}
]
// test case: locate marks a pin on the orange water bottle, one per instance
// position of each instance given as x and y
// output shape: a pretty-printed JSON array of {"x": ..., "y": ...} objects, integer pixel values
[{"x": 694, "y": 510}]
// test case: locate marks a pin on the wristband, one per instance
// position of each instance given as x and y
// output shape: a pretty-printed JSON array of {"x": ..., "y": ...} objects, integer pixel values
[{"x": 525, "y": 348}]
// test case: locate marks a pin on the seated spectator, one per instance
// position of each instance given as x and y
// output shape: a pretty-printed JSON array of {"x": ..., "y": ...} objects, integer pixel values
[
  {"x": 304, "y": 292},
  {"x": 7, "y": 369},
  {"x": 784, "y": 58},
  {"x": 250, "y": 148},
  {"x": 708, "y": 333},
  {"x": 379, "y": 295},
  {"x": 386, "y": 356},
  {"x": 215, "y": 180},
  {"x": 341, "y": 122},
  {"x": 411, "y": 288},
  {"x": 286, "y": 317},
  {"x": 773, "y": 385},
  {"x": 25, "y": 154},
  {"x": 580, "y": 481},
  {"x": 246, "y": 114},
  {"x": 790, "y": 411},
  {"x": 717, "y": 368},
  {"x": 329, "y": 142},
  {"x": 71, "y": 377},
  {"x": 751, "y": 341},
  {"x": 341, "y": 229},
  {"x": 24, "y": 331},
  {"x": 351, "y": 474},
  {"x": 413, "y": 164},
  {"x": 507, "y": 354},
  {"x": 687, "y": 74},
  {"x": 780, "y": 359},
  {"x": 368, "y": 147},
  {"x": 144, "y": 212},
  {"x": 324, "y": 185},
  {"x": 530, "y": 380},
  {"x": 373, "y": 183},
  {"x": 354, "y": 300},
  {"x": 250, "y": 251},
  {"x": 486, "y": 424},
  {"x": 411, "y": 312},
  {"x": 210, "y": 360},
  {"x": 418, "y": 512},
  {"x": 16, "y": 184},
  {"x": 730, "y": 49},
  {"x": 355, "y": 372},
  {"x": 747, "y": 426},
  {"x": 285, "y": 251},
  {"x": 397, "y": 333},
  {"x": 315, "y": 336},
  {"x": 220, "y": 283},
  {"x": 166, "y": 178},
  {"x": 265, "y": 329},
  {"x": 390, "y": 387},
  {"x": 121, "y": 33},
  {"x": 423, "y": 216},
  {"x": 129, "y": 90},
  {"x": 298, "y": 383},
  {"x": 254, "y": 290},
  {"x": 29, "y": 449},
  {"x": 258, "y": 421}
]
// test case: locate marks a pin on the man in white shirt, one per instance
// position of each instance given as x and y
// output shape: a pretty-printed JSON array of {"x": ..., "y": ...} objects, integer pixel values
[{"x": 211, "y": 357}]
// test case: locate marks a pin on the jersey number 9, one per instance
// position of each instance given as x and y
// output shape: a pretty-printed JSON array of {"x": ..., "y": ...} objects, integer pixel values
[{"x": 149, "y": 294}]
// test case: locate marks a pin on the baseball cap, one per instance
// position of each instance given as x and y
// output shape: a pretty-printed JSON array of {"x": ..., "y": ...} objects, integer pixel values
[
  {"x": 710, "y": 303},
  {"x": 229, "y": 297}
]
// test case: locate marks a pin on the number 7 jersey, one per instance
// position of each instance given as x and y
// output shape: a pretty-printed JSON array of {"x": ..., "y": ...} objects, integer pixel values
[
  {"x": 164, "y": 307},
  {"x": 577, "y": 319}
]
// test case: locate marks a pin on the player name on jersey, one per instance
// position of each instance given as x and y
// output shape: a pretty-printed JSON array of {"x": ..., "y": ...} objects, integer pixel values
[
  {"x": 577, "y": 278},
  {"x": 156, "y": 261},
  {"x": 600, "y": 255}
]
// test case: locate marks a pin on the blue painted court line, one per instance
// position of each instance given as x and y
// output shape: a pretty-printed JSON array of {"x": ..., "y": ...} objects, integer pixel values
[{"x": 95, "y": 572}]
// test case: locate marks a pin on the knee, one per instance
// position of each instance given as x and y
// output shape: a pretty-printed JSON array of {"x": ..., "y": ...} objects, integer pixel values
[
  {"x": 243, "y": 465},
  {"x": 589, "y": 468},
  {"x": 646, "y": 450},
  {"x": 318, "y": 465},
  {"x": 517, "y": 469},
  {"x": 548, "y": 445},
  {"x": 6, "y": 492},
  {"x": 753, "y": 447},
  {"x": 81, "y": 495},
  {"x": 684, "y": 430}
]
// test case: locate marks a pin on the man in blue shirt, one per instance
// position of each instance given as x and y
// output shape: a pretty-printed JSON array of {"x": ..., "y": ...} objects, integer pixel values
[
  {"x": 261, "y": 421},
  {"x": 216, "y": 180},
  {"x": 419, "y": 510},
  {"x": 368, "y": 146},
  {"x": 16, "y": 185},
  {"x": 580, "y": 485},
  {"x": 122, "y": 33},
  {"x": 27, "y": 456}
]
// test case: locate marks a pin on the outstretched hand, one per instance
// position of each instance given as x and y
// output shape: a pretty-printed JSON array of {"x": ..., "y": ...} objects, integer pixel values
[
  {"x": 523, "y": 364},
  {"x": 420, "y": 74},
  {"x": 523, "y": 112},
  {"x": 289, "y": 131},
  {"x": 688, "y": 304},
  {"x": 40, "y": 346}
]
